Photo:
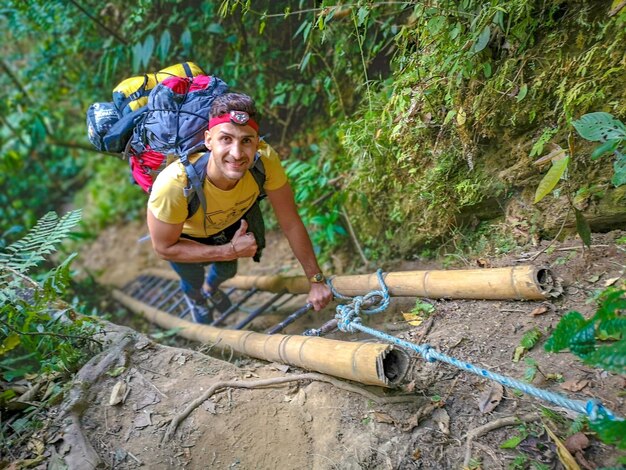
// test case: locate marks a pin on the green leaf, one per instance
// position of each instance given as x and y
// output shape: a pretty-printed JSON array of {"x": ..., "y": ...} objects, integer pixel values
[
  {"x": 305, "y": 60},
  {"x": 619, "y": 171},
  {"x": 608, "y": 146},
  {"x": 583, "y": 342},
  {"x": 611, "y": 357},
  {"x": 147, "y": 50},
  {"x": 362, "y": 15},
  {"x": 612, "y": 301},
  {"x": 511, "y": 443},
  {"x": 482, "y": 40},
  {"x": 610, "y": 431},
  {"x": 487, "y": 69},
  {"x": 116, "y": 372},
  {"x": 523, "y": 91},
  {"x": 9, "y": 343},
  {"x": 137, "y": 48},
  {"x": 164, "y": 45},
  {"x": 185, "y": 40},
  {"x": 530, "y": 338},
  {"x": 435, "y": 24},
  {"x": 582, "y": 227},
  {"x": 569, "y": 325},
  {"x": 215, "y": 28},
  {"x": 600, "y": 127},
  {"x": 551, "y": 178}
]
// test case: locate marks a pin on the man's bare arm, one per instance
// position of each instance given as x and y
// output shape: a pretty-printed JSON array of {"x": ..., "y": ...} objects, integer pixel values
[{"x": 284, "y": 206}]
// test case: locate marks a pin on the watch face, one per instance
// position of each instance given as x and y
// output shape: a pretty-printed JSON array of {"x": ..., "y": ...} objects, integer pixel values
[{"x": 319, "y": 277}]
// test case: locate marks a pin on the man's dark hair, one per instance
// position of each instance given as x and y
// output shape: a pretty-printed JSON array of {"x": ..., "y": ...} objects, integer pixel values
[{"x": 228, "y": 102}]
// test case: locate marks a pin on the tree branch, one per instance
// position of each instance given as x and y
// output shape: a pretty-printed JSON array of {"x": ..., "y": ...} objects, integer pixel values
[{"x": 99, "y": 23}]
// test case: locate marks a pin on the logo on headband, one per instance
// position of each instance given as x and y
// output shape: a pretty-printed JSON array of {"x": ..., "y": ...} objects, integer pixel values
[{"x": 239, "y": 117}]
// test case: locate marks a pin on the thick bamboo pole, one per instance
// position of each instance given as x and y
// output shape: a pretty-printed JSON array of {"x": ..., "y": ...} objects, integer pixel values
[
  {"x": 368, "y": 363},
  {"x": 515, "y": 283}
]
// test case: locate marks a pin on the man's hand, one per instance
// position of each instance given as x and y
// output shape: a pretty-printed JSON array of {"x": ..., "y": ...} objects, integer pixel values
[
  {"x": 319, "y": 296},
  {"x": 242, "y": 243}
]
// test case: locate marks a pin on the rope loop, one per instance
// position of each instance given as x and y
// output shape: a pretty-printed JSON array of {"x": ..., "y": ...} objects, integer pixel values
[
  {"x": 428, "y": 353},
  {"x": 375, "y": 301}
]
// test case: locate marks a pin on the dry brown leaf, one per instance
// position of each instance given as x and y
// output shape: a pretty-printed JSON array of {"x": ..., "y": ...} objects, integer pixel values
[
  {"x": 483, "y": 263},
  {"x": 577, "y": 442},
  {"x": 539, "y": 311},
  {"x": 611, "y": 281},
  {"x": 441, "y": 417},
  {"x": 568, "y": 461},
  {"x": 381, "y": 417},
  {"x": 410, "y": 424},
  {"x": 118, "y": 393},
  {"x": 417, "y": 454},
  {"x": 575, "y": 385},
  {"x": 142, "y": 420},
  {"x": 489, "y": 399}
]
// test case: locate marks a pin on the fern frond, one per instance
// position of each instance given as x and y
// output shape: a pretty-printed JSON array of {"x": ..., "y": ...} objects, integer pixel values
[
  {"x": 611, "y": 357},
  {"x": 552, "y": 415},
  {"x": 530, "y": 338},
  {"x": 39, "y": 241},
  {"x": 612, "y": 329},
  {"x": 567, "y": 328}
]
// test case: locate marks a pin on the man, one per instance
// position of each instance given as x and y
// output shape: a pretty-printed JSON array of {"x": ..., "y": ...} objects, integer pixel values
[{"x": 219, "y": 237}]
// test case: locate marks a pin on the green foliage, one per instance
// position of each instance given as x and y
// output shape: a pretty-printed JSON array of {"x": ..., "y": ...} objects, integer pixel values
[
  {"x": 319, "y": 203},
  {"x": 38, "y": 334},
  {"x": 582, "y": 337},
  {"x": 530, "y": 338},
  {"x": 422, "y": 308},
  {"x": 551, "y": 179},
  {"x": 611, "y": 132},
  {"x": 528, "y": 341},
  {"x": 110, "y": 196}
]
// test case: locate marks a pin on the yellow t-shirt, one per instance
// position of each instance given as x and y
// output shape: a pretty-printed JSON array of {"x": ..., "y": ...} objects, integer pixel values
[{"x": 168, "y": 203}]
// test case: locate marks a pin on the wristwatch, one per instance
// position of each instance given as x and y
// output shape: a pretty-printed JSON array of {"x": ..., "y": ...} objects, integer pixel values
[{"x": 317, "y": 278}]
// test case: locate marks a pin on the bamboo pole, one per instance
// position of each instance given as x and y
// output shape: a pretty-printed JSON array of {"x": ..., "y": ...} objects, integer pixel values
[
  {"x": 368, "y": 363},
  {"x": 518, "y": 283},
  {"x": 515, "y": 283}
]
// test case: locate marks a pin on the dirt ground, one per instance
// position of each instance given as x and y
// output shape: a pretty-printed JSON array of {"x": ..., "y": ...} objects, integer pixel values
[{"x": 313, "y": 424}]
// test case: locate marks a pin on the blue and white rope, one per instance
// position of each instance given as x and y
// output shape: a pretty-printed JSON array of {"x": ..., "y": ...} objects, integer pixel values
[{"x": 349, "y": 321}]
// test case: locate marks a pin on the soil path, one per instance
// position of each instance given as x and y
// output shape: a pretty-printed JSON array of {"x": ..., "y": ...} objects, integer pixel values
[{"x": 317, "y": 425}]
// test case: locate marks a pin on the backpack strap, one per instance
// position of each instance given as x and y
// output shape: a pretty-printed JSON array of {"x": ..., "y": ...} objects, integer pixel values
[
  {"x": 195, "y": 199},
  {"x": 196, "y": 172}
]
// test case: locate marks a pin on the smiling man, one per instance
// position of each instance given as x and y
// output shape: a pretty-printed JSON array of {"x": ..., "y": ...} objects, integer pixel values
[{"x": 231, "y": 227}]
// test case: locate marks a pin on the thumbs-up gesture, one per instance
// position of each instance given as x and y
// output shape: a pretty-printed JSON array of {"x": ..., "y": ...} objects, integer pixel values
[{"x": 243, "y": 243}]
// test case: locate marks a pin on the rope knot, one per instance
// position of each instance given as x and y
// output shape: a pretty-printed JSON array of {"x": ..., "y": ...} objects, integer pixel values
[
  {"x": 428, "y": 353},
  {"x": 373, "y": 302}
]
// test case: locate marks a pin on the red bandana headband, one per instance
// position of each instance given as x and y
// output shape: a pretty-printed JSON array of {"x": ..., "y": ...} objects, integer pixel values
[{"x": 240, "y": 118}]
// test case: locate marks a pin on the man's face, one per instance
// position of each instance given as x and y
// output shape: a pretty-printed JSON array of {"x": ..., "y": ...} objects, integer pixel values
[{"x": 232, "y": 153}]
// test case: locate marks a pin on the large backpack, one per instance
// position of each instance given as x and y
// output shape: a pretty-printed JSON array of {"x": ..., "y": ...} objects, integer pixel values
[
  {"x": 109, "y": 125},
  {"x": 169, "y": 127}
]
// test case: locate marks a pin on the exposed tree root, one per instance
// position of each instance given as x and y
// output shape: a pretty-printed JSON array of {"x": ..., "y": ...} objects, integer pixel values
[
  {"x": 249, "y": 384},
  {"x": 76, "y": 450},
  {"x": 485, "y": 428}
]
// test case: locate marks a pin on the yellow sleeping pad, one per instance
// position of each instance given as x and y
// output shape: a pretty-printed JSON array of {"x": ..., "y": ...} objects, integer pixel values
[{"x": 132, "y": 93}]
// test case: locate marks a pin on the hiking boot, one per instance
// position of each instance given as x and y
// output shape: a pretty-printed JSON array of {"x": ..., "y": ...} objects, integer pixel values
[
  {"x": 219, "y": 300},
  {"x": 200, "y": 311}
]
